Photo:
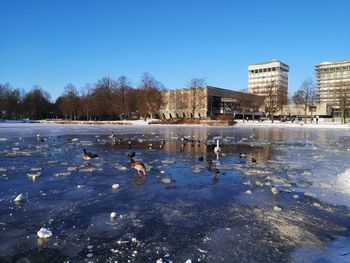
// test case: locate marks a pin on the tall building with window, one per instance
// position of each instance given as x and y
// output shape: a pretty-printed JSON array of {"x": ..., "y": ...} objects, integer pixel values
[
  {"x": 330, "y": 76},
  {"x": 263, "y": 75}
]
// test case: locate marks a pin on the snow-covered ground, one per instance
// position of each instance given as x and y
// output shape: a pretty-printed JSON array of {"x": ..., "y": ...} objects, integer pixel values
[
  {"x": 240, "y": 123},
  {"x": 278, "y": 124}
]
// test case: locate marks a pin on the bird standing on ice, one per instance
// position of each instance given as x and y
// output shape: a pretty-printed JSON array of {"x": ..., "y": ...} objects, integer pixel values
[
  {"x": 139, "y": 167},
  {"x": 217, "y": 148}
]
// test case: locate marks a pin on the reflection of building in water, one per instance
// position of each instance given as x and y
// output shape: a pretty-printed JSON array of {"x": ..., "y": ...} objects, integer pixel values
[
  {"x": 209, "y": 101},
  {"x": 261, "y": 153}
]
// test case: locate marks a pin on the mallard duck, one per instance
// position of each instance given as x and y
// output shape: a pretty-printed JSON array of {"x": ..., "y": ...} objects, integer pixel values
[
  {"x": 139, "y": 167},
  {"x": 88, "y": 155}
]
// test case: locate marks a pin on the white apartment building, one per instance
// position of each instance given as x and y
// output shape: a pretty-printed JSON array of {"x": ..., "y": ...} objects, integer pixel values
[
  {"x": 263, "y": 74},
  {"x": 331, "y": 75}
]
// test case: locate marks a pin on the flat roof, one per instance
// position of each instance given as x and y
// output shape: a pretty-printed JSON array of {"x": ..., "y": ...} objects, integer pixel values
[
  {"x": 333, "y": 62},
  {"x": 217, "y": 88},
  {"x": 268, "y": 62}
]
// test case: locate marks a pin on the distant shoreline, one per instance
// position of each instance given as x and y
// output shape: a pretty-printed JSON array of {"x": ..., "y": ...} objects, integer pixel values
[{"x": 240, "y": 124}]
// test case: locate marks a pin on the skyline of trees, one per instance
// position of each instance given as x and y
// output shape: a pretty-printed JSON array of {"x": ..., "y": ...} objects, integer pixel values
[
  {"x": 107, "y": 99},
  {"x": 113, "y": 99}
]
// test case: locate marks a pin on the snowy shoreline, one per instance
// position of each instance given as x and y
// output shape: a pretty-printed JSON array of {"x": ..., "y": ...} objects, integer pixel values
[{"x": 240, "y": 123}]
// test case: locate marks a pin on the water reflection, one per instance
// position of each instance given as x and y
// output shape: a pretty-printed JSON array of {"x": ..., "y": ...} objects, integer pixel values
[
  {"x": 261, "y": 153},
  {"x": 191, "y": 198}
]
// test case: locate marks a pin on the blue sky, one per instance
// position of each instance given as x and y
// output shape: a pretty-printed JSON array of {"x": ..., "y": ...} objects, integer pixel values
[{"x": 55, "y": 42}]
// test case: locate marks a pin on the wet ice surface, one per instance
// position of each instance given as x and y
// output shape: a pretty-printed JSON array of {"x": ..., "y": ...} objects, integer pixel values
[{"x": 289, "y": 205}]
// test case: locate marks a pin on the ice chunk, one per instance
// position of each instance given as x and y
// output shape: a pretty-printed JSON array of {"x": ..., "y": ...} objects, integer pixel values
[
  {"x": 115, "y": 186},
  {"x": 63, "y": 174},
  {"x": 296, "y": 196},
  {"x": 310, "y": 194},
  {"x": 87, "y": 170},
  {"x": 167, "y": 161},
  {"x": 246, "y": 182},
  {"x": 33, "y": 176},
  {"x": 274, "y": 190},
  {"x": 44, "y": 233},
  {"x": 120, "y": 167},
  {"x": 277, "y": 208},
  {"x": 3, "y": 139},
  {"x": 198, "y": 169},
  {"x": 343, "y": 181},
  {"x": 113, "y": 215},
  {"x": 307, "y": 173},
  {"x": 20, "y": 198},
  {"x": 188, "y": 261},
  {"x": 258, "y": 183},
  {"x": 248, "y": 192},
  {"x": 166, "y": 180},
  {"x": 71, "y": 168},
  {"x": 35, "y": 169}
]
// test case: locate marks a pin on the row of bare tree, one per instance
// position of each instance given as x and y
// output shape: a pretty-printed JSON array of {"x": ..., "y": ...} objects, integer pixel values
[
  {"x": 112, "y": 99},
  {"x": 107, "y": 99},
  {"x": 306, "y": 97},
  {"x": 16, "y": 104}
]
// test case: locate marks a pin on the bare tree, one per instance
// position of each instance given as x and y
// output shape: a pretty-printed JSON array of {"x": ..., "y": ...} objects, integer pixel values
[
  {"x": 123, "y": 85},
  {"x": 149, "y": 97},
  {"x": 305, "y": 96},
  {"x": 342, "y": 98},
  {"x": 196, "y": 94},
  {"x": 86, "y": 103},
  {"x": 244, "y": 105},
  {"x": 69, "y": 102},
  {"x": 272, "y": 99},
  {"x": 37, "y": 104},
  {"x": 104, "y": 105}
]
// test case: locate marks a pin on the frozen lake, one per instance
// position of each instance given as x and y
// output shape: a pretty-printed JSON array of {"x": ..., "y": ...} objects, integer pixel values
[{"x": 287, "y": 200}]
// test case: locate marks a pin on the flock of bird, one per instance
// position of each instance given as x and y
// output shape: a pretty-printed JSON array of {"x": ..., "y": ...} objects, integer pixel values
[{"x": 140, "y": 166}]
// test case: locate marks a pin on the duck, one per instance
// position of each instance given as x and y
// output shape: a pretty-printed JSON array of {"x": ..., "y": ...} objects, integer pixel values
[
  {"x": 88, "y": 155},
  {"x": 150, "y": 146},
  {"x": 111, "y": 136},
  {"x": 161, "y": 144},
  {"x": 201, "y": 159},
  {"x": 210, "y": 164},
  {"x": 217, "y": 148},
  {"x": 242, "y": 155},
  {"x": 139, "y": 167},
  {"x": 131, "y": 155}
]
